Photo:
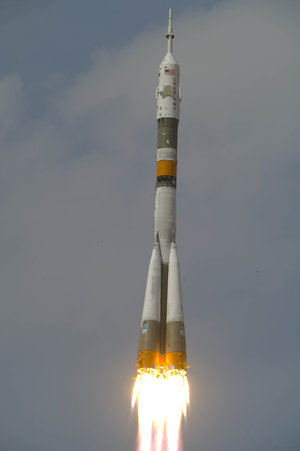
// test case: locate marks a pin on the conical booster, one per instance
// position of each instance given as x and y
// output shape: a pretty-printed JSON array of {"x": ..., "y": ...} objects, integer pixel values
[
  {"x": 175, "y": 333},
  {"x": 149, "y": 343}
]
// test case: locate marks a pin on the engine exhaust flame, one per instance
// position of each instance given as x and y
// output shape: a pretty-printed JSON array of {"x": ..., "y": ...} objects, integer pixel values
[{"x": 162, "y": 400}]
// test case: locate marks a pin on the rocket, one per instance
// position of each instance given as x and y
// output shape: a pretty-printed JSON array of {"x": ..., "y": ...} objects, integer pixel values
[{"x": 162, "y": 344}]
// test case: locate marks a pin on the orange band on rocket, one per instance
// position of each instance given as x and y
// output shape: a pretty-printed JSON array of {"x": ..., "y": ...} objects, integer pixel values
[{"x": 166, "y": 167}]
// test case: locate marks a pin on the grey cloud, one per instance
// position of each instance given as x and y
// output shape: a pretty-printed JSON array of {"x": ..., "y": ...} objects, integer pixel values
[{"x": 10, "y": 102}]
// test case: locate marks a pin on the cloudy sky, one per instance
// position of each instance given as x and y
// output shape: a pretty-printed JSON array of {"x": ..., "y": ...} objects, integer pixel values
[{"x": 77, "y": 175}]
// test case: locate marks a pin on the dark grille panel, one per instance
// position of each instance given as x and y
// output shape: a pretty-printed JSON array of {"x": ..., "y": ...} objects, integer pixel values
[{"x": 166, "y": 180}]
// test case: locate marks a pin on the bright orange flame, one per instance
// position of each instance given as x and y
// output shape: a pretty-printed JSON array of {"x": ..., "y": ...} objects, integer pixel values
[{"x": 162, "y": 399}]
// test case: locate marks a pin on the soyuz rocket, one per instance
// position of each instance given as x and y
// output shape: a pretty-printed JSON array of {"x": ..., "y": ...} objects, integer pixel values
[{"x": 162, "y": 344}]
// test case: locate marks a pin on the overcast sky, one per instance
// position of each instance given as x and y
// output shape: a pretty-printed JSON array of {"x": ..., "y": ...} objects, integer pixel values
[{"x": 77, "y": 180}]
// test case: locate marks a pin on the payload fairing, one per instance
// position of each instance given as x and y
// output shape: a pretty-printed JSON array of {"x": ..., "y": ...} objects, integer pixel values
[{"x": 162, "y": 343}]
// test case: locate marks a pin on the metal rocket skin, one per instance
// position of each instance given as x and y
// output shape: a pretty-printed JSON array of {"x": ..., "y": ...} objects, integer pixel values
[{"x": 162, "y": 336}]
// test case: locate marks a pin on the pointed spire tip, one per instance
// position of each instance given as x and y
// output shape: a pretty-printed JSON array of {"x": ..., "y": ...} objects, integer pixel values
[
  {"x": 170, "y": 26},
  {"x": 170, "y": 34}
]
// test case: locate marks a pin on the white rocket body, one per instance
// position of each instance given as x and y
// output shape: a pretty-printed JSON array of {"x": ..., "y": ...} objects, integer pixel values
[
  {"x": 162, "y": 336},
  {"x": 168, "y": 98}
]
